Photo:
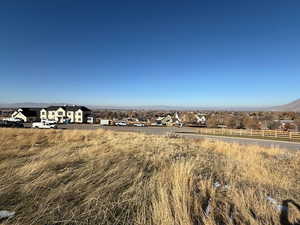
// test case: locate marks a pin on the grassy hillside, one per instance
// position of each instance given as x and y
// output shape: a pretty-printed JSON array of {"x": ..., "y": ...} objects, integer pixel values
[{"x": 104, "y": 177}]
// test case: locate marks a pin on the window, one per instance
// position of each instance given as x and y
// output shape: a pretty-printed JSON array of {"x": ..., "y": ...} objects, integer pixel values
[
  {"x": 79, "y": 114},
  {"x": 60, "y": 113},
  {"x": 69, "y": 113},
  {"x": 79, "y": 119},
  {"x": 53, "y": 113},
  {"x": 43, "y": 113}
]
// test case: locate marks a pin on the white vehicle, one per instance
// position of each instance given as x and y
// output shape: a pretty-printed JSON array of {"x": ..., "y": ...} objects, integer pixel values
[
  {"x": 43, "y": 125},
  {"x": 49, "y": 121},
  {"x": 11, "y": 119},
  {"x": 121, "y": 124},
  {"x": 139, "y": 125},
  {"x": 156, "y": 124}
]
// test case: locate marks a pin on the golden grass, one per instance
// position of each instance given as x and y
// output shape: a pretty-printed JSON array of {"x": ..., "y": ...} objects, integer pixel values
[{"x": 105, "y": 177}]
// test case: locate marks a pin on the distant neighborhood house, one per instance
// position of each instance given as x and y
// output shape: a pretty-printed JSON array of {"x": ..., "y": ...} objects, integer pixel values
[
  {"x": 60, "y": 114},
  {"x": 71, "y": 114},
  {"x": 27, "y": 114},
  {"x": 166, "y": 121},
  {"x": 287, "y": 125},
  {"x": 201, "y": 119}
]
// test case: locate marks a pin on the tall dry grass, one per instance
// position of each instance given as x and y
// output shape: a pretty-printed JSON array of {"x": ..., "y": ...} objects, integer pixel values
[{"x": 104, "y": 177}]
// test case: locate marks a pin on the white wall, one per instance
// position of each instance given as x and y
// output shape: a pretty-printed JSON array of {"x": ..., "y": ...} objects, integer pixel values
[
  {"x": 79, "y": 116},
  {"x": 19, "y": 115},
  {"x": 71, "y": 116},
  {"x": 43, "y": 114},
  {"x": 75, "y": 117},
  {"x": 51, "y": 115}
]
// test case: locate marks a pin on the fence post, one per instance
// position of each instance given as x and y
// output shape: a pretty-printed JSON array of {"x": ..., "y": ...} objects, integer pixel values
[
  {"x": 251, "y": 132},
  {"x": 263, "y": 133},
  {"x": 291, "y": 135},
  {"x": 240, "y": 132},
  {"x": 276, "y": 134}
]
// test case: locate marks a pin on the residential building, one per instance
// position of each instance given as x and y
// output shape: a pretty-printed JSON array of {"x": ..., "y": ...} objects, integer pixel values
[
  {"x": 66, "y": 113},
  {"x": 6, "y": 113},
  {"x": 176, "y": 120},
  {"x": 287, "y": 125},
  {"x": 166, "y": 121},
  {"x": 90, "y": 119},
  {"x": 27, "y": 114},
  {"x": 104, "y": 122},
  {"x": 201, "y": 119}
]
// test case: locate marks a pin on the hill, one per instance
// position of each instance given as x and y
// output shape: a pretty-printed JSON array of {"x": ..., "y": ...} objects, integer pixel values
[
  {"x": 141, "y": 107},
  {"x": 104, "y": 177},
  {"x": 28, "y": 105},
  {"x": 290, "y": 107}
]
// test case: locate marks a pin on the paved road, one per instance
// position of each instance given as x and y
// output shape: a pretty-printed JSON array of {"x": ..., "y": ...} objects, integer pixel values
[
  {"x": 186, "y": 132},
  {"x": 250, "y": 141}
]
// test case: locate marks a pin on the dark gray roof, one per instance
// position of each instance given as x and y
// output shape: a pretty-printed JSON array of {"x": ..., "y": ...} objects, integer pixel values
[
  {"x": 68, "y": 108},
  {"x": 52, "y": 108},
  {"x": 31, "y": 112}
]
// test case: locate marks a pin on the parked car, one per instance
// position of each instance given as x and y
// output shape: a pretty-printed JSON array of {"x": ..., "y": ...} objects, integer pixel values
[
  {"x": 139, "y": 125},
  {"x": 66, "y": 120},
  {"x": 11, "y": 119},
  {"x": 156, "y": 124},
  {"x": 121, "y": 124},
  {"x": 43, "y": 125},
  {"x": 49, "y": 121},
  {"x": 13, "y": 124}
]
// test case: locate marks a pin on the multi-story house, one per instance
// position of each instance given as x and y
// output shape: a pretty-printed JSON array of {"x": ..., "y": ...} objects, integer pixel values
[
  {"x": 27, "y": 114},
  {"x": 72, "y": 114}
]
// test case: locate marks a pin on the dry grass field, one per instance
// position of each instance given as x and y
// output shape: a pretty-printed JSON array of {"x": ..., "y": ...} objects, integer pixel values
[{"x": 104, "y": 177}]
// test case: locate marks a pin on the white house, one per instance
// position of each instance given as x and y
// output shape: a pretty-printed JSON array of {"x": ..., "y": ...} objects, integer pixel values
[
  {"x": 167, "y": 120},
  {"x": 90, "y": 119},
  {"x": 201, "y": 119},
  {"x": 104, "y": 122},
  {"x": 27, "y": 114},
  {"x": 72, "y": 114}
]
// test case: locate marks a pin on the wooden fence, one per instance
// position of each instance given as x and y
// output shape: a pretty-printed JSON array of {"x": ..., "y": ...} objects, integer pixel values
[{"x": 272, "y": 134}]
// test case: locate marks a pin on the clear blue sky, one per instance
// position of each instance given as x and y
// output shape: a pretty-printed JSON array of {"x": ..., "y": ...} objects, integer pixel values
[{"x": 185, "y": 53}]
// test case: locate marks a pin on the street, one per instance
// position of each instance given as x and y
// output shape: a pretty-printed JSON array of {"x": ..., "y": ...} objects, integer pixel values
[{"x": 187, "y": 132}]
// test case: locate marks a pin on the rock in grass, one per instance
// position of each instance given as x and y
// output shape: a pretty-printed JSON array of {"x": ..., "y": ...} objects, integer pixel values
[{"x": 6, "y": 214}]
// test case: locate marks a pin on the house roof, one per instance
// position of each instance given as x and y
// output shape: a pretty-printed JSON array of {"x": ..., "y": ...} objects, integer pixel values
[
  {"x": 30, "y": 112},
  {"x": 68, "y": 108},
  {"x": 53, "y": 108}
]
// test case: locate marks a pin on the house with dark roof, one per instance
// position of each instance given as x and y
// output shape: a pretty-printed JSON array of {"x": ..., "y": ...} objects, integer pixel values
[
  {"x": 72, "y": 114},
  {"x": 166, "y": 121},
  {"x": 27, "y": 114}
]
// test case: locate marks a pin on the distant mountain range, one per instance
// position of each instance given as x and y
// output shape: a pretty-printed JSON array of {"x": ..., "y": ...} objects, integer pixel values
[
  {"x": 28, "y": 105},
  {"x": 115, "y": 107},
  {"x": 290, "y": 107}
]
